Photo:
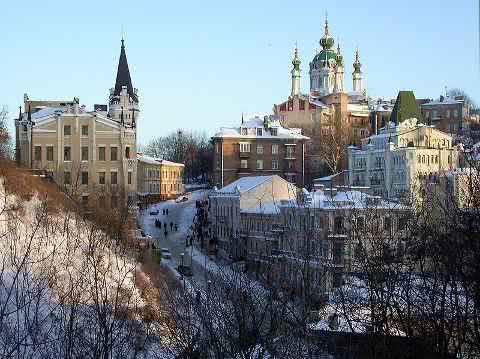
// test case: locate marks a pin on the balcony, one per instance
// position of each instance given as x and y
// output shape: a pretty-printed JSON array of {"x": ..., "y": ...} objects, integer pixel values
[{"x": 244, "y": 154}]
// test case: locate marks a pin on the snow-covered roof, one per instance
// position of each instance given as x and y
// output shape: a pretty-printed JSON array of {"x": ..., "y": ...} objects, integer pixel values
[
  {"x": 245, "y": 184},
  {"x": 257, "y": 122},
  {"x": 350, "y": 199},
  {"x": 443, "y": 101},
  {"x": 156, "y": 161}
]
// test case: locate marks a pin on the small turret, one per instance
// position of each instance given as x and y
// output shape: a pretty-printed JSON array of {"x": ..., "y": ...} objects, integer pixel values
[
  {"x": 339, "y": 74},
  {"x": 357, "y": 74},
  {"x": 296, "y": 74}
]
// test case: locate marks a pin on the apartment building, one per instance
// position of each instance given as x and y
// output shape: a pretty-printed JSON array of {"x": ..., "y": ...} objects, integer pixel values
[
  {"x": 91, "y": 153},
  {"x": 259, "y": 147},
  {"x": 448, "y": 114},
  {"x": 228, "y": 205},
  {"x": 300, "y": 240},
  {"x": 392, "y": 162},
  {"x": 158, "y": 179}
]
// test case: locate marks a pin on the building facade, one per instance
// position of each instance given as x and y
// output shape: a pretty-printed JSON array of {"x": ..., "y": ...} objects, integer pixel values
[
  {"x": 228, "y": 205},
  {"x": 158, "y": 179},
  {"x": 392, "y": 162},
  {"x": 448, "y": 114},
  {"x": 299, "y": 240},
  {"x": 92, "y": 154},
  {"x": 259, "y": 147}
]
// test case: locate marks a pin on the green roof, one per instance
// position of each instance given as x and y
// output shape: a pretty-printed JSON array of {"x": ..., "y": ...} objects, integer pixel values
[
  {"x": 405, "y": 107},
  {"x": 319, "y": 59}
]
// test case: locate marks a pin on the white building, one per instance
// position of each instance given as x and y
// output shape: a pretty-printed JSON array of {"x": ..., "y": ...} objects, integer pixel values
[
  {"x": 244, "y": 194},
  {"x": 392, "y": 161}
]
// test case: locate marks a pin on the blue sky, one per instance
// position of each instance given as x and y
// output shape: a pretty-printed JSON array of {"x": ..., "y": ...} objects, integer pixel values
[{"x": 199, "y": 65}]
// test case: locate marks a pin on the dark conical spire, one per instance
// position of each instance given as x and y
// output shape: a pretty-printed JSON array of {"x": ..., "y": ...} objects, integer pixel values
[{"x": 123, "y": 75}]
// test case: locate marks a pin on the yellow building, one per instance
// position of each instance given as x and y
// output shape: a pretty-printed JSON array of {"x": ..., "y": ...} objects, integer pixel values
[
  {"x": 158, "y": 179},
  {"x": 92, "y": 154}
]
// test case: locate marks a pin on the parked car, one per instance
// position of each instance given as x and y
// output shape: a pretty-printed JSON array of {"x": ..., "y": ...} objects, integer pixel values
[
  {"x": 166, "y": 253},
  {"x": 185, "y": 270},
  {"x": 154, "y": 212},
  {"x": 182, "y": 199}
]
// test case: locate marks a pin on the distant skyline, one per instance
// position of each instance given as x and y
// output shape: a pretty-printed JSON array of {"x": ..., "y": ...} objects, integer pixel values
[{"x": 199, "y": 65}]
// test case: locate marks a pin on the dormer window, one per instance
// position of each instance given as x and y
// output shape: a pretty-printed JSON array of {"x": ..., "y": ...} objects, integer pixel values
[
  {"x": 259, "y": 131},
  {"x": 244, "y": 131},
  {"x": 274, "y": 131}
]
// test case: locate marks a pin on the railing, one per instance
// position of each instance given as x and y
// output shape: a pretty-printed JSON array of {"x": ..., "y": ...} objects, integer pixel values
[{"x": 244, "y": 154}]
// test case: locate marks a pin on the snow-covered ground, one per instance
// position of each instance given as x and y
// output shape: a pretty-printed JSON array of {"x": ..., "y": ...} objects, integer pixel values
[{"x": 63, "y": 283}]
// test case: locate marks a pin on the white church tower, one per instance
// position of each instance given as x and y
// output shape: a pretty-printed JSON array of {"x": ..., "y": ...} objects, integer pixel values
[
  {"x": 322, "y": 68},
  {"x": 357, "y": 74},
  {"x": 296, "y": 74},
  {"x": 339, "y": 73}
]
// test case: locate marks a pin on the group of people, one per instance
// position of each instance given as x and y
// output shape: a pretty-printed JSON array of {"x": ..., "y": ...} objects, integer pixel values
[{"x": 159, "y": 223}]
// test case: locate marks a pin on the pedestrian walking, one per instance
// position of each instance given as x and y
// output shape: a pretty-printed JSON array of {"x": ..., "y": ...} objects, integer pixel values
[
  {"x": 165, "y": 226},
  {"x": 165, "y": 233},
  {"x": 171, "y": 226},
  {"x": 167, "y": 211},
  {"x": 176, "y": 227},
  {"x": 163, "y": 211}
]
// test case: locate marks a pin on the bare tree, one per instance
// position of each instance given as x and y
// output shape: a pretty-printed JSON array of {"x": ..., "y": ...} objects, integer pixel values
[
  {"x": 5, "y": 138},
  {"x": 334, "y": 139}
]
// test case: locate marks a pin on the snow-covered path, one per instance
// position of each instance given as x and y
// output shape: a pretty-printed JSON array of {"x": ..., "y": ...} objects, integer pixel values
[{"x": 182, "y": 214}]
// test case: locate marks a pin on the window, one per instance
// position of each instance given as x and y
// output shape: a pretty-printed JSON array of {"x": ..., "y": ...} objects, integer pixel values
[
  {"x": 127, "y": 152},
  {"x": 84, "y": 200},
  {"x": 67, "y": 153},
  {"x": 290, "y": 151},
  {"x": 260, "y": 149},
  {"x": 274, "y": 149},
  {"x": 434, "y": 113},
  {"x": 114, "y": 200},
  {"x": 243, "y": 163},
  {"x": 448, "y": 113},
  {"x": 259, "y": 131},
  {"x": 274, "y": 131},
  {"x": 101, "y": 153},
  {"x": 387, "y": 223},
  {"x": 101, "y": 201},
  {"x": 66, "y": 178},
  {"x": 244, "y": 131},
  {"x": 113, "y": 153},
  {"x": 113, "y": 177},
  {"x": 244, "y": 147},
  {"x": 360, "y": 223},
  {"x": 38, "y": 153},
  {"x": 84, "y": 177},
  {"x": 67, "y": 130},
  {"x": 84, "y": 153},
  {"x": 455, "y": 113},
  {"x": 129, "y": 177},
  {"x": 274, "y": 164},
  {"x": 49, "y": 153},
  {"x": 101, "y": 177},
  {"x": 259, "y": 164},
  {"x": 217, "y": 148},
  {"x": 84, "y": 130}
]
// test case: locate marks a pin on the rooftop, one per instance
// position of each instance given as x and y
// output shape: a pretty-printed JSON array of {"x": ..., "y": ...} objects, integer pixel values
[
  {"x": 267, "y": 124},
  {"x": 245, "y": 184}
]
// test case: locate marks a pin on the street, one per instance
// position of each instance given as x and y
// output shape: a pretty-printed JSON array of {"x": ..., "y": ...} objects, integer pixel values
[{"x": 182, "y": 214}]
